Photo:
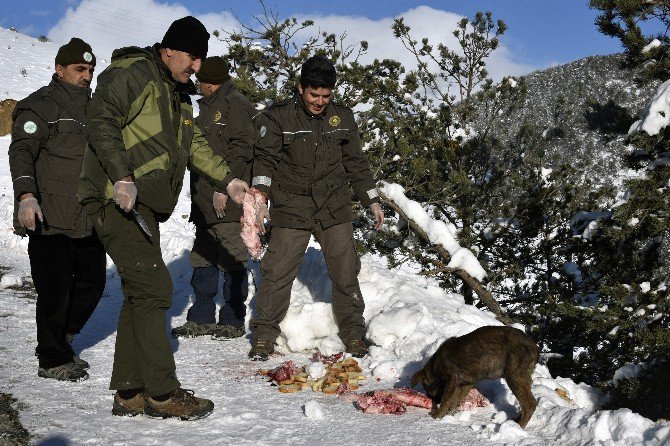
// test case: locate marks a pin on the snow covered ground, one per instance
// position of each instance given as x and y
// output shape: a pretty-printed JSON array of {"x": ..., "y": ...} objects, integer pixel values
[{"x": 408, "y": 316}]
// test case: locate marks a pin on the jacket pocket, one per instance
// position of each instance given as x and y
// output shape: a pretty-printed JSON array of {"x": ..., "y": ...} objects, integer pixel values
[
  {"x": 154, "y": 189},
  {"x": 59, "y": 203}
]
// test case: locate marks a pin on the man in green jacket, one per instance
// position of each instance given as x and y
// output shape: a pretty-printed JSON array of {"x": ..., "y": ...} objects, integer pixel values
[
  {"x": 67, "y": 261},
  {"x": 142, "y": 136},
  {"x": 225, "y": 119},
  {"x": 307, "y": 155}
]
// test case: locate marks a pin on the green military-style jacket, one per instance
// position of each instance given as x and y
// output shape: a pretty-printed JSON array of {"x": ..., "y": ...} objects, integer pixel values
[
  {"x": 141, "y": 123},
  {"x": 307, "y": 164},
  {"x": 226, "y": 122}
]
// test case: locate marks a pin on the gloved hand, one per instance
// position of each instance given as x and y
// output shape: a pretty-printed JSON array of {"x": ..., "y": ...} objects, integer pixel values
[
  {"x": 125, "y": 194},
  {"x": 262, "y": 214},
  {"x": 378, "y": 214},
  {"x": 219, "y": 200},
  {"x": 28, "y": 208},
  {"x": 236, "y": 190}
]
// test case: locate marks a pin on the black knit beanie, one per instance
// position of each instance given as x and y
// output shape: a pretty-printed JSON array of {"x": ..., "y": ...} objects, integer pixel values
[
  {"x": 75, "y": 51},
  {"x": 213, "y": 70},
  {"x": 187, "y": 34}
]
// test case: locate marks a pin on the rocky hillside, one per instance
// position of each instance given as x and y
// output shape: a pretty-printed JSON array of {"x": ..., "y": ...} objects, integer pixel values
[{"x": 584, "y": 110}]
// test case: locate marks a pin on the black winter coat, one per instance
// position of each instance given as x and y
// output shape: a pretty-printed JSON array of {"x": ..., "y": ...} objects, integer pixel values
[
  {"x": 226, "y": 122},
  {"x": 46, "y": 153}
]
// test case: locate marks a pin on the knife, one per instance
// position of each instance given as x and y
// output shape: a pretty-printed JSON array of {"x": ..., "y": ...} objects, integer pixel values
[{"x": 142, "y": 222}]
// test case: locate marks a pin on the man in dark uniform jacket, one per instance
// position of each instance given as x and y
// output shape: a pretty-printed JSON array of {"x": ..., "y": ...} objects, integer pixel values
[
  {"x": 225, "y": 120},
  {"x": 307, "y": 155},
  {"x": 67, "y": 262}
]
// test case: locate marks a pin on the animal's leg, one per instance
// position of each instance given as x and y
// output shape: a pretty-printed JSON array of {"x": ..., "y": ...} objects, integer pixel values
[
  {"x": 450, "y": 389},
  {"x": 521, "y": 389}
]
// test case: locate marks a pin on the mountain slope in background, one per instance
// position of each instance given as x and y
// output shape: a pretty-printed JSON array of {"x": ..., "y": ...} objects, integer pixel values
[{"x": 584, "y": 110}]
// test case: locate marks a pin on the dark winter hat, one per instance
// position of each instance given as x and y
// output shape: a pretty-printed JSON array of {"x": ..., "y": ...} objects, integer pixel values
[
  {"x": 75, "y": 51},
  {"x": 187, "y": 34},
  {"x": 213, "y": 70}
]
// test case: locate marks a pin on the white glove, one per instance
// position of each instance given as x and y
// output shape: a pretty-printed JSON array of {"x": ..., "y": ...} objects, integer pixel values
[
  {"x": 219, "y": 201},
  {"x": 28, "y": 208},
  {"x": 236, "y": 190},
  {"x": 125, "y": 194}
]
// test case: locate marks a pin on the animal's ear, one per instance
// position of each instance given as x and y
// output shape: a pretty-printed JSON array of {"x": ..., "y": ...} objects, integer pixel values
[{"x": 418, "y": 377}]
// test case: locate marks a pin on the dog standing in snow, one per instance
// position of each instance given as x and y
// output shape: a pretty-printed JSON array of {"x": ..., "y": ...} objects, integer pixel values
[{"x": 490, "y": 352}]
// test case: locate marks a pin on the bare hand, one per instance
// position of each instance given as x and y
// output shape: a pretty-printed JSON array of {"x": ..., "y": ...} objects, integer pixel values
[
  {"x": 219, "y": 201},
  {"x": 28, "y": 208},
  {"x": 378, "y": 214},
  {"x": 262, "y": 214},
  {"x": 236, "y": 190}
]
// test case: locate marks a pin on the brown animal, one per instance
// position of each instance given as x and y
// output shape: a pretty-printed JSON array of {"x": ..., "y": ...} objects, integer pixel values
[{"x": 490, "y": 352}]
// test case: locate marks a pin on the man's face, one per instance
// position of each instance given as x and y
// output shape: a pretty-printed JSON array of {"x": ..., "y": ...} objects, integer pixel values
[
  {"x": 207, "y": 89},
  {"x": 182, "y": 65},
  {"x": 316, "y": 99},
  {"x": 79, "y": 74}
]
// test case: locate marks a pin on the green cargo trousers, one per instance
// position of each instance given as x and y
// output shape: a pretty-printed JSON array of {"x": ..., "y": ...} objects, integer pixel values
[
  {"x": 142, "y": 355},
  {"x": 280, "y": 267}
]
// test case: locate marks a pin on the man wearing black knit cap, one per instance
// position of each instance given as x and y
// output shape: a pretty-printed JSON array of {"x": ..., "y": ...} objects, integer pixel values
[
  {"x": 225, "y": 119},
  {"x": 67, "y": 262},
  {"x": 142, "y": 136}
]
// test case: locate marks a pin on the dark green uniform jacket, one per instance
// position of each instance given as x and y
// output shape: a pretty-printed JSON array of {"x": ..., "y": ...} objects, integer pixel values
[
  {"x": 45, "y": 156},
  {"x": 307, "y": 164},
  {"x": 141, "y": 123},
  {"x": 225, "y": 120}
]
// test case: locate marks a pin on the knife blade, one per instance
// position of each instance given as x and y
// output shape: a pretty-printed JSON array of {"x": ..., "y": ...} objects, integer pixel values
[{"x": 142, "y": 222}]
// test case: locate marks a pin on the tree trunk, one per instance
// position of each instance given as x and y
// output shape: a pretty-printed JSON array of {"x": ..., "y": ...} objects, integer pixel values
[{"x": 484, "y": 295}]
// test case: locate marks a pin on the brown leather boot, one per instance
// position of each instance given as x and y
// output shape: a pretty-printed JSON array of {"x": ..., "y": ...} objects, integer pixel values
[
  {"x": 181, "y": 404},
  {"x": 130, "y": 407}
]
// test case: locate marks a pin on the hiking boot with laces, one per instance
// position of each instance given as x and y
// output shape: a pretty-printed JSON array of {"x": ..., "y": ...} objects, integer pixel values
[
  {"x": 66, "y": 372},
  {"x": 181, "y": 404},
  {"x": 82, "y": 364},
  {"x": 192, "y": 329},
  {"x": 130, "y": 407},
  {"x": 261, "y": 349},
  {"x": 226, "y": 332},
  {"x": 356, "y": 347}
]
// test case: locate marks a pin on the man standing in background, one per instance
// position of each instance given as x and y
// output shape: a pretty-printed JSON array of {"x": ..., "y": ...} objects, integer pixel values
[
  {"x": 141, "y": 139},
  {"x": 67, "y": 261},
  {"x": 225, "y": 120}
]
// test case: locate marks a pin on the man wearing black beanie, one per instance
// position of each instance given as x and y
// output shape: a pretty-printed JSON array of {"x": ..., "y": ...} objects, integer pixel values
[
  {"x": 67, "y": 261},
  {"x": 142, "y": 136},
  {"x": 225, "y": 119}
]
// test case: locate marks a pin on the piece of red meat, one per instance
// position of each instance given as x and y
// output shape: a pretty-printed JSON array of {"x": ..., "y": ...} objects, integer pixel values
[
  {"x": 379, "y": 402},
  {"x": 283, "y": 371},
  {"x": 472, "y": 400},
  {"x": 411, "y": 397},
  {"x": 250, "y": 229}
]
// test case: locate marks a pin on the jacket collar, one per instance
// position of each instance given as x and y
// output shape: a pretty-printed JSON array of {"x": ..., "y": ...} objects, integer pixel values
[{"x": 225, "y": 89}]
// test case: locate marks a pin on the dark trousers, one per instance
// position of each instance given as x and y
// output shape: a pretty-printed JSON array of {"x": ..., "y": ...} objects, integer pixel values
[
  {"x": 205, "y": 283},
  {"x": 219, "y": 248},
  {"x": 280, "y": 267},
  {"x": 143, "y": 355},
  {"x": 69, "y": 277}
]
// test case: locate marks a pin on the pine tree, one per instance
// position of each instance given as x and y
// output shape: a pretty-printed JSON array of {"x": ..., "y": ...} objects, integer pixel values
[{"x": 632, "y": 264}]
